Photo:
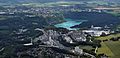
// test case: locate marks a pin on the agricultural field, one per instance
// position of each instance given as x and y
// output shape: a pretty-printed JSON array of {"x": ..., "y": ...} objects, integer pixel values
[
  {"x": 115, "y": 48},
  {"x": 115, "y": 13},
  {"x": 108, "y": 37},
  {"x": 86, "y": 47},
  {"x": 105, "y": 49},
  {"x": 3, "y": 18},
  {"x": 110, "y": 48}
]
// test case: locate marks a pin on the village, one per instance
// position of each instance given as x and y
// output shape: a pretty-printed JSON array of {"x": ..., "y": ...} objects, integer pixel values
[{"x": 74, "y": 39}]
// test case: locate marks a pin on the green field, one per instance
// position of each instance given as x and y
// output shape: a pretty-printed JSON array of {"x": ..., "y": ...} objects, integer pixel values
[
  {"x": 3, "y": 18},
  {"x": 115, "y": 48},
  {"x": 105, "y": 49},
  {"x": 110, "y": 48},
  {"x": 108, "y": 37},
  {"x": 86, "y": 47},
  {"x": 117, "y": 13}
]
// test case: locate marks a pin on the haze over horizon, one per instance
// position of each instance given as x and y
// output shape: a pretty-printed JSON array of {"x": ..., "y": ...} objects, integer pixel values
[{"x": 30, "y": 1}]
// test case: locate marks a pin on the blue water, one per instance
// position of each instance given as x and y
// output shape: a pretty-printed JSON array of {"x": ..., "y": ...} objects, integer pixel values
[{"x": 69, "y": 23}]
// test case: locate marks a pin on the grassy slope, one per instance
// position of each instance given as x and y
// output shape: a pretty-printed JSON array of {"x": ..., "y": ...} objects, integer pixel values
[
  {"x": 108, "y": 37},
  {"x": 86, "y": 47},
  {"x": 110, "y": 48},
  {"x": 115, "y": 48},
  {"x": 105, "y": 49}
]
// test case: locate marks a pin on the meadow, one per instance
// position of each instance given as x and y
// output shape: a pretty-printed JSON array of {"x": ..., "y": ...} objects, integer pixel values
[{"x": 110, "y": 48}]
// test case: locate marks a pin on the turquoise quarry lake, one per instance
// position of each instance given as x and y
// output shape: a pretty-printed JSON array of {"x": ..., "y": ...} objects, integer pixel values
[{"x": 69, "y": 23}]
